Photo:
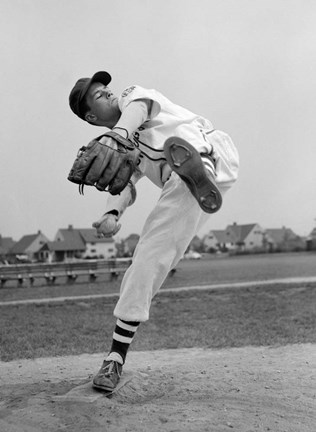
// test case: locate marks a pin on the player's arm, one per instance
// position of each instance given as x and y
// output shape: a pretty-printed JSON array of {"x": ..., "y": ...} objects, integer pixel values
[
  {"x": 108, "y": 224},
  {"x": 134, "y": 114},
  {"x": 132, "y": 117}
]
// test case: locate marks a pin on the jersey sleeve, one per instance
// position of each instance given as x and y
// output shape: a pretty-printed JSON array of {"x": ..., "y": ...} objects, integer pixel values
[{"x": 134, "y": 93}]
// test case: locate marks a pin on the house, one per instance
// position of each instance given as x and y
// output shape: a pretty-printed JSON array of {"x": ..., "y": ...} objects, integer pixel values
[
  {"x": 196, "y": 245},
  {"x": 71, "y": 243},
  {"x": 217, "y": 240},
  {"x": 311, "y": 240},
  {"x": 283, "y": 240},
  {"x": 131, "y": 243},
  {"x": 57, "y": 251},
  {"x": 97, "y": 247},
  {"x": 247, "y": 237},
  {"x": 28, "y": 248},
  {"x": 6, "y": 243}
]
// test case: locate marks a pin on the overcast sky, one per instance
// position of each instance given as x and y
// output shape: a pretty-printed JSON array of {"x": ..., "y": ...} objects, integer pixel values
[{"x": 247, "y": 65}]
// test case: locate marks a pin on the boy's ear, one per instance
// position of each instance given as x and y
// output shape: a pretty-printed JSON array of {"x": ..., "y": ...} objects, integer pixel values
[{"x": 89, "y": 117}]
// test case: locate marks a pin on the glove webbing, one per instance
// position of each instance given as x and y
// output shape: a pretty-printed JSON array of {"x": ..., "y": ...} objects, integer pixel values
[{"x": 118, "y": 138}]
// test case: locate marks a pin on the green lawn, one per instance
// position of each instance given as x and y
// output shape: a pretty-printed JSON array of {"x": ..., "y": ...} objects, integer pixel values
[{"x": 219, "y": 318}]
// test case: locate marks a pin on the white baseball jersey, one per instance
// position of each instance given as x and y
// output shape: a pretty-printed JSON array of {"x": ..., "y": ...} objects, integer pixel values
[{"x": 164, "y": 120}]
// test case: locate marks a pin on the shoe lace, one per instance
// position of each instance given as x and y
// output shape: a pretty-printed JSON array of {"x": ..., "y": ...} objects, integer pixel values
[{"x": 110, "y": 368}]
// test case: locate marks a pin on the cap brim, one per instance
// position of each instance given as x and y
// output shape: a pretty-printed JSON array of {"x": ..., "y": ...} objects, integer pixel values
[{"x": 102, "y": 77}]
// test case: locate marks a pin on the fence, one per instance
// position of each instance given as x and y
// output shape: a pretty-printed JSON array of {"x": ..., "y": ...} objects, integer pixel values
[{"x": 22, "y": 274}]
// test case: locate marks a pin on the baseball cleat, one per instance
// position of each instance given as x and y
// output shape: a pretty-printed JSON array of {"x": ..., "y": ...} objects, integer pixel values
[
  {"x": 186, "y": 161},
  {"x": 108, "y": 376}
]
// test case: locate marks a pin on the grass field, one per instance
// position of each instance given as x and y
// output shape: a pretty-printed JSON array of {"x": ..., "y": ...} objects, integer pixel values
[
  {"x": 274, "y": 315},
  {"x": 217, "y": 318}
]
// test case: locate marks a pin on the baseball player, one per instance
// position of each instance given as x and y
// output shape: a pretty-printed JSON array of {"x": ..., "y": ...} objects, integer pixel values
[{"x": 191, "y": 162}]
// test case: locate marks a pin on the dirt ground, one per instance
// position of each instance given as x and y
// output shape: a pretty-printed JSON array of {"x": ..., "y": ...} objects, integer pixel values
[{"x": 240, "y": 389}]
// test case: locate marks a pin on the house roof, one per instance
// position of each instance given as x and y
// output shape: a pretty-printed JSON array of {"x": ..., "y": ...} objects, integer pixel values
[
  {"x": 133, "y": 237},
  {"x": 89, "y": 236},
  {"x": 73, "y": 238},
  {"x": 279, "y": 235},
  {"x": 240, "y": 232},
  {"x": 313, "y": 233},
  {"x": 6, "y": 243},
  {"x": 221, "y": 236},
  {"x": 79, "y": 237},
  {"x": 21, "y": 246}
]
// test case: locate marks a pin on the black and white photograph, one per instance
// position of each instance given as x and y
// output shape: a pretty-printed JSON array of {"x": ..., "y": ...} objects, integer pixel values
[{"x": 158, "y": 216}]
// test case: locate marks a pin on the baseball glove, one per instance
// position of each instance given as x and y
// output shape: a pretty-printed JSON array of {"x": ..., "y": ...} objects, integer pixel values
[{"x": 106, "y": 166}]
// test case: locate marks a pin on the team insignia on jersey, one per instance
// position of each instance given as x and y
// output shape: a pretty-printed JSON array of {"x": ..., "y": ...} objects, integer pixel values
[{"x": 127, "y": 91}]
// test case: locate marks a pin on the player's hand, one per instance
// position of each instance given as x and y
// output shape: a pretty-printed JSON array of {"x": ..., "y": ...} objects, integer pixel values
[{"x": 107, "y": 225}]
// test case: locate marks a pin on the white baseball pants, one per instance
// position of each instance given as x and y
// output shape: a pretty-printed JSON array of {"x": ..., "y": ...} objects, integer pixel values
[{"x": 168, "y": 231}]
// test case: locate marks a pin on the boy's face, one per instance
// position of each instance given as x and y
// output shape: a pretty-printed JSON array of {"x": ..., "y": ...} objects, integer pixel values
[{"x": 104, "y": 109}]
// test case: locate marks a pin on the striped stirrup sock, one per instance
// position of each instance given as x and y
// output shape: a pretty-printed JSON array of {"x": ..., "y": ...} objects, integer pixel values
[
  {"x": 123, "y": 335},
  {"x": 209, "y": 165}
]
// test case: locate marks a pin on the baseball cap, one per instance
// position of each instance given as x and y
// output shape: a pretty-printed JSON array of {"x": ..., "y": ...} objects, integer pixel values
[{"x": 81, "y": 87}]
